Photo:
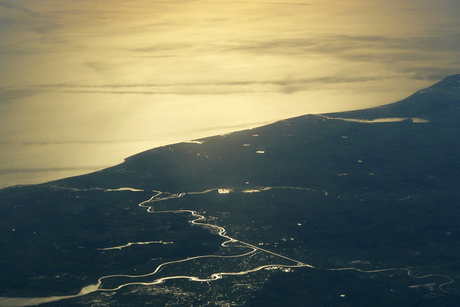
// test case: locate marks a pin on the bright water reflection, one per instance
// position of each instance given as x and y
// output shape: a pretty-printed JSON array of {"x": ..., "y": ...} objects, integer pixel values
[{"x": 85, "y": 85}]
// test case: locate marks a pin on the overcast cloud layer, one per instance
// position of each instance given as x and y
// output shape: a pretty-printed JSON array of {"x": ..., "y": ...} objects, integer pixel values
[{"x": 84, "y": 84}]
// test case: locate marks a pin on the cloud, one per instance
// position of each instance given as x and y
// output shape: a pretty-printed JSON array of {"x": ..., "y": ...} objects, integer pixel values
[
  {"x": 350, "y": 46},
  {"x": 289, "y": 3},
  {"x": 18, "y": 8},
  {"x": 9, "y": 94},
  {"x": 286, "y": 85},
  {"x": 428, "y": 58}
]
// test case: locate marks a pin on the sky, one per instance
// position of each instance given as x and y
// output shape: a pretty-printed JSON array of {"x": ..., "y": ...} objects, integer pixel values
[{"x": 85, "y": 84}]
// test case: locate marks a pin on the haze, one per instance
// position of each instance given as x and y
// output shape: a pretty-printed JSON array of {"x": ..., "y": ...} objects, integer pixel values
[{"x": 84, "y": 84}]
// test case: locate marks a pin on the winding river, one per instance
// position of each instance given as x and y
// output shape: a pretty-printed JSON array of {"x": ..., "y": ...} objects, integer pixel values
[{"x": 197, "y": 219}]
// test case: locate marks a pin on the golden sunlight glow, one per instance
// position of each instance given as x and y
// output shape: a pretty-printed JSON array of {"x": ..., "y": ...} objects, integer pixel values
[{"x": 84, "y": 85}]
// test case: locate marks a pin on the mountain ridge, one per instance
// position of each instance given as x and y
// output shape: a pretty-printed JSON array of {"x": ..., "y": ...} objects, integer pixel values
[{"x": 183, "y": 166}]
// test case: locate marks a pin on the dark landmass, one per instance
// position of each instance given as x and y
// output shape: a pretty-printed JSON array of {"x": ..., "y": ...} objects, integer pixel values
[{"x": 335, "y": 191}]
